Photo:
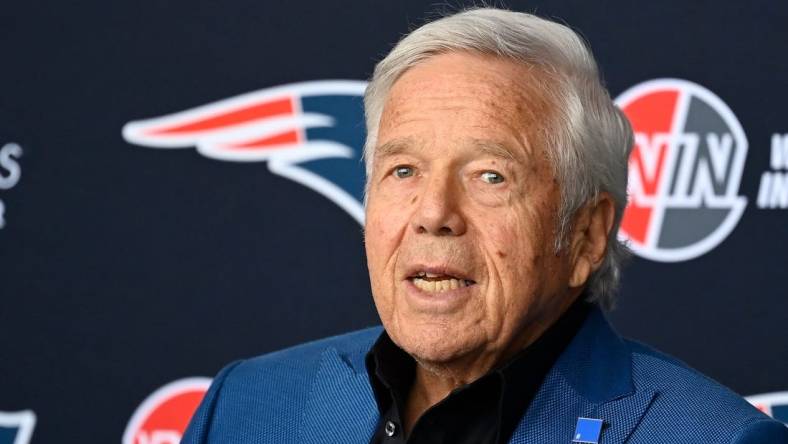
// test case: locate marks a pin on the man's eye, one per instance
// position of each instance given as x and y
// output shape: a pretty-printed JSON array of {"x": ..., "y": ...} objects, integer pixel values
[
  {"x": 492, "y": 177},
  {"x": 403, "y": 171}
]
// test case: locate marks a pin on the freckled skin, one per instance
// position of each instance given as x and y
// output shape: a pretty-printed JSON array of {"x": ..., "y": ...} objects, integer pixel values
[{"x": 500, "y": 234}]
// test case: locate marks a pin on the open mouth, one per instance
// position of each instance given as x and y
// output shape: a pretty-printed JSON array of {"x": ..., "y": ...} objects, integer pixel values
[{"x": 435, "y": 283}]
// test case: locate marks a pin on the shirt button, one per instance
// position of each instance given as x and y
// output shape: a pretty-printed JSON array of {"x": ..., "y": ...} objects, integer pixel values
[{"x": 390, "y": 429}]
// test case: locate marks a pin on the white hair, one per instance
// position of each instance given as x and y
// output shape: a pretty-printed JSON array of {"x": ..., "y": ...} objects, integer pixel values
[{"x": 588, "y": 139}]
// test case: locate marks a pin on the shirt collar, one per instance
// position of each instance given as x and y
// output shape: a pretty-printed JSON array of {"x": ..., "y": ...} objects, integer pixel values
[{"x": 391, "y": 370}]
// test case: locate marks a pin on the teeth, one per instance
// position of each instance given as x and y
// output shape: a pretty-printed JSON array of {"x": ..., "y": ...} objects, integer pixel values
[{"x": 439, "y": 285}]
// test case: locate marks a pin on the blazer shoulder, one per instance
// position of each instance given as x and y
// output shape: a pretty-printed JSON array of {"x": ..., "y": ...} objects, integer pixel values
[
  {"x": 654, "y": 367},
  {"x": 271, "y": 390},
  {"x": 690, "y": 403},
  {"x": 301, "y": 360},
  {"x": 762, "y": 431},
  {"x": 345, "y": 342}
]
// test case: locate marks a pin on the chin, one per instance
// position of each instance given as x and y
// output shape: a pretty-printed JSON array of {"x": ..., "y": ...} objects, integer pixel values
[{"x": 434, "y": 343}]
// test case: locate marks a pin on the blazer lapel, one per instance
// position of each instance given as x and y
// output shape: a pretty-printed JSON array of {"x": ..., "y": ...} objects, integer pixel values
[
  {"x": 621, "y": 416},
  {"x": 340, "y": 406},
  {"x": 593, "y": 379}
]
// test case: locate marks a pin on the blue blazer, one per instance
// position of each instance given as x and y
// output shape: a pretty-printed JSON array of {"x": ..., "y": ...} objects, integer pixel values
[{"x": 320, "y": 393}]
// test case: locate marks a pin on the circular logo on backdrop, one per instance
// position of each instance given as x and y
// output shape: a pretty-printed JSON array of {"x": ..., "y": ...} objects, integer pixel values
[
  {"x": 684, "y": 170},
  {"x": 163, "y": 416}
]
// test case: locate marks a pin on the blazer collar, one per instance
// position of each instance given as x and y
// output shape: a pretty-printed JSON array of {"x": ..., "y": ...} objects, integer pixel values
[
  {"x": 597, "y": 363},
  {"x": 340, "y": 406},
  {"x": 593, "y": 379}
]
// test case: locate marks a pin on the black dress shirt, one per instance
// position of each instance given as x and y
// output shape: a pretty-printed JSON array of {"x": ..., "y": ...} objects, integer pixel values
[{"x": 485, "y": 411}]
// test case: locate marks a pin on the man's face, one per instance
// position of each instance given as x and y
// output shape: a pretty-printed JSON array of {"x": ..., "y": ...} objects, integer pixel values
[{"x": 461, "y": 211}]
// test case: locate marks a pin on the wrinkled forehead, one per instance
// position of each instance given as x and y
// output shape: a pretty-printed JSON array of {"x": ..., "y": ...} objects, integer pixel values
[{"x": 511, "y": 93}]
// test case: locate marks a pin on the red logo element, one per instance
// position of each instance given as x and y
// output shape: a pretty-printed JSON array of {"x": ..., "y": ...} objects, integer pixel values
[
  {"x": 309, "y": 132},
  {"x": 684, "y": 170},
  {"x": 164, "y": 415},
  {"x": 773, "y": 404}
]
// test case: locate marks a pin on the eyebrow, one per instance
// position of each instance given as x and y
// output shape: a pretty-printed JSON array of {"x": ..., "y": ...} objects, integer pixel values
[
  {"x": 394, "y": 147},
  {"x": 489, "y": 147},
  {"x": 495, "y": 149}
]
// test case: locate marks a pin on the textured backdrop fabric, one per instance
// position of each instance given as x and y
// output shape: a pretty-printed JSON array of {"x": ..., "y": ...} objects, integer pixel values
[{"x": 320, "y": 393}]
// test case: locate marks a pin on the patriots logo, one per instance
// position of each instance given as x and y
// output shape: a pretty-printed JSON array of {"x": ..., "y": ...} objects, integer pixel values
[
  {"x": 773, "y": 404},
  {"x": 17, "y": 427},
  {"x": 310, "y": 132}
]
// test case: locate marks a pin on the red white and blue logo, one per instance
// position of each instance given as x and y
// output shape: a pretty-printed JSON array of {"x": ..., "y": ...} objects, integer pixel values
[
  {"x": 17, "y": 427},
  {"x": 773, "y": 404},
  {"x": 163, "y": 416},
  {"x": 684, "y": 170},
  {"x": 310, "y": 132}
]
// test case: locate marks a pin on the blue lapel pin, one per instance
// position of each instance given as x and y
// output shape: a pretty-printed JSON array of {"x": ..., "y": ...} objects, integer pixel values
[{"x": 587, "y": 430}]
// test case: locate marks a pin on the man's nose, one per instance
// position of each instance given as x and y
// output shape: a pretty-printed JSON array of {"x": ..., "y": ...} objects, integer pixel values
[{"x": 439, "y": 210}]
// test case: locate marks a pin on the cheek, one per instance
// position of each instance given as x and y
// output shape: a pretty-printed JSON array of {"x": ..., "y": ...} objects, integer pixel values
[
  {"x": 537, "y": 262},
  {"x": 384, "y": 229},
  {"x": 516, "y": 246},
  {"x": 513, "y": 240},
  {"x": 376, "y": 244},
  {"x": 377, "y": 250}
]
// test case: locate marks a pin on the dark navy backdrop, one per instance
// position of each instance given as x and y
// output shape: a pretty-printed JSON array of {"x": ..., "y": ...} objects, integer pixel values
[{"x": 123, "y": 268}]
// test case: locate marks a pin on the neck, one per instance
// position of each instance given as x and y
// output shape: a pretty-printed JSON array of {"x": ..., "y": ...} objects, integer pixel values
[
  {"x": 427, "y": 390},
  {"x": 434, "y": 381}
]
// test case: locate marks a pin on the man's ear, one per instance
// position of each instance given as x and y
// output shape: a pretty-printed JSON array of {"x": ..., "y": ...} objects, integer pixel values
[{"x": 590, "y": 234}]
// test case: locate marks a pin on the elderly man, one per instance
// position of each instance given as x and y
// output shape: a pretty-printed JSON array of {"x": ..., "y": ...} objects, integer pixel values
[{"x": 496, "y": 182}]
